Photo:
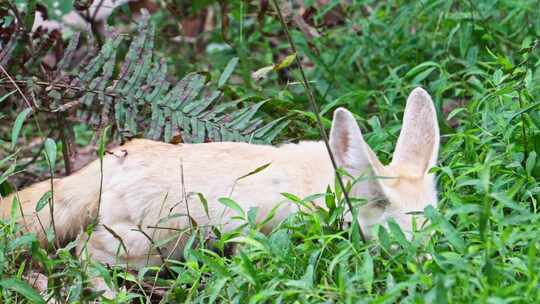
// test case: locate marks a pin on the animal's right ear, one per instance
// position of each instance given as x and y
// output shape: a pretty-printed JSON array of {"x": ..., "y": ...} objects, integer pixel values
[
  {"x": 348, "y": 146},
  {"x": 418, "y": 143}
]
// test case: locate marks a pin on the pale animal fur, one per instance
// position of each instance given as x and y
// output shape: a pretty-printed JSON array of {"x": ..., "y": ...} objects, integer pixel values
[{"x": 142, "y": 184}]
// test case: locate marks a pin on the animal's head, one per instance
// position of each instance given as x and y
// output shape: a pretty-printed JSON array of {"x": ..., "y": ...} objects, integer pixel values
[{"x": 402, "y": 187}]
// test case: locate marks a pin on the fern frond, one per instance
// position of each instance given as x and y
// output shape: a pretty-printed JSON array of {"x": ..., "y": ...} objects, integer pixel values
[
  {"x": 135, "y": 94},
  {"x": 139, "y": 98}
]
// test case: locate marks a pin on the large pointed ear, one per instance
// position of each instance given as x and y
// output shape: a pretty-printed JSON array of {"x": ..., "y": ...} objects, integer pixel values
[
  {"x": 350, "y": 150},
  {"x": 418, "y": 143}
]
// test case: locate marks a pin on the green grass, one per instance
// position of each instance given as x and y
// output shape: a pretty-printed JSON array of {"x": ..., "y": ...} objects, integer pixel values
[{"x": 479, "y": 61}]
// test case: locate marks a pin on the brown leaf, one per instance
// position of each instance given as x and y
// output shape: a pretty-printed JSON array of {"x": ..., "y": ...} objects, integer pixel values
[{"x": 176, "y": 139}]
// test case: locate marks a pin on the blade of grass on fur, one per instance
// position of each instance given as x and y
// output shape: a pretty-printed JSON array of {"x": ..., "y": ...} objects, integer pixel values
[
  {"x": 232, "y": 205},
  {"x": 15, "y": 207},
  {"x": 50, "y": 154},
  {"x": 43, "y": 201},
  {"x": 101, "y": 153},
  {"x": 204, "y": 202},
  {"x": 259, "y": 169},
  {"x": 50, "y": 151}
]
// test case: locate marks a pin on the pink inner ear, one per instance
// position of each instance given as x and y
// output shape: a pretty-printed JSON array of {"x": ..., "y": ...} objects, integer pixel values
[
  {"x": 417, "y": 145},
  {"x": 343, "y": 144}
]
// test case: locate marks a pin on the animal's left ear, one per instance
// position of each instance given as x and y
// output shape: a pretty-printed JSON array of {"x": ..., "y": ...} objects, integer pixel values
[
  {"x": 418, "y": 143},
  {"x": 350, "y": 150}
]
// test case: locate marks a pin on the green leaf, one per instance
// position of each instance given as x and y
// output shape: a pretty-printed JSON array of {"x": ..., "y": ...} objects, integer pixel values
[
  {"x": 448, "y": 230},
  {"x": 252, "y": 215},
  {"x": 7, "y": 95},
  {"x": 247, "y": 240},
  {"x": 103, "y": 142},
  {"x": 22, "y": 288},
  {"x": 43, "y": 201},
  {"x": 398, "y": 233},
  {"x": 18, "y": 125},
  {"x": 232, "y": 204},
  {"x": 287, "y": 61},
  {"x": 422, "y": 75},
  {"x": 50, "y": 152},
  {"x": 271, "y": 130},
  {"x": 257, "y": 170},
  {"x": 15, "y": 209},
  {"x": 214, "y": 264},
  {"x": 368, "y": 271},
  {"x": 227, "y": 72},
  {"x": 204, "y": 202},
  {"x": 454, "y": 112},
  {"x": 355, "y": 229},
  {"x": 9, "y": 172},
  {"x": 244, "y": 118},
  {"x": 293, "y": 198},
  {"x": 215, "y": 289},
  {"x": 532, "y": 257},
  {"x": 306, "y": 282},
  {"x": 384, "y": 238},
  {"x": 248, "y": 271},
  {"x": 498, "y": 77},
  {"x": 531, "y": 162},
  {"x": 420, "y": 68},
  {"x": 30, "y": 14},
  {"x": 23, "y": 240},
  {"x": 330, "y": 199},
  {"x": 99, "y": 270}
]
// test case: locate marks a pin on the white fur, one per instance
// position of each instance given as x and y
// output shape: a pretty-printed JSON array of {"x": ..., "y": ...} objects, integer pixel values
[
  {"x": 404, "y": 185},
  {"x": 145, "y": 184}
]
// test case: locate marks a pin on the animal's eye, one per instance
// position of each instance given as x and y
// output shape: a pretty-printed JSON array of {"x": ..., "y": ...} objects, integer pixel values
[
  {"x": 381, "y": 202},
  {"x": 415, "y": 213}
]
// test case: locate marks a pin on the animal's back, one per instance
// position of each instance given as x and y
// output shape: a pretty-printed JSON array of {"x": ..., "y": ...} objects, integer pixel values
[
  {"x": 150, "y": 171},
  {"x": 149, "y": 184}
]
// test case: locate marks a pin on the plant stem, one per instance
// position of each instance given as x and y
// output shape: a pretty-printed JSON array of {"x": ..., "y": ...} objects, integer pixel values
[{"x": 315, "y": 110}]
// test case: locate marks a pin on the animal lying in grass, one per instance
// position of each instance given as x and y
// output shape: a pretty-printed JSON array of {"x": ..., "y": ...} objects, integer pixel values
[{"x": 153, "y": 180}]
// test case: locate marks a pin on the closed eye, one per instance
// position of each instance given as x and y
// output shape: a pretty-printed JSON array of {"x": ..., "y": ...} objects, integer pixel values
[
  {"x": 380, "y": 202},
  {"x": 415, "y": 213}
]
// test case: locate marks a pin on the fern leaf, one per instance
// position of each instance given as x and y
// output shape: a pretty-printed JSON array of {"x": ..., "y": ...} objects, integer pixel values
[{"x": 138, "y": 96}]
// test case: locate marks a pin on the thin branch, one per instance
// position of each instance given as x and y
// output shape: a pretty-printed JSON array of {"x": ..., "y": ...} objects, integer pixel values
[
  {"x": 49, "y": 161},
  {"x": 158, "y": 249},
  {"x": 184, "y": 194},
  {"x": 16, "y": 87},
  {"x": 62, "y": 124}
]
